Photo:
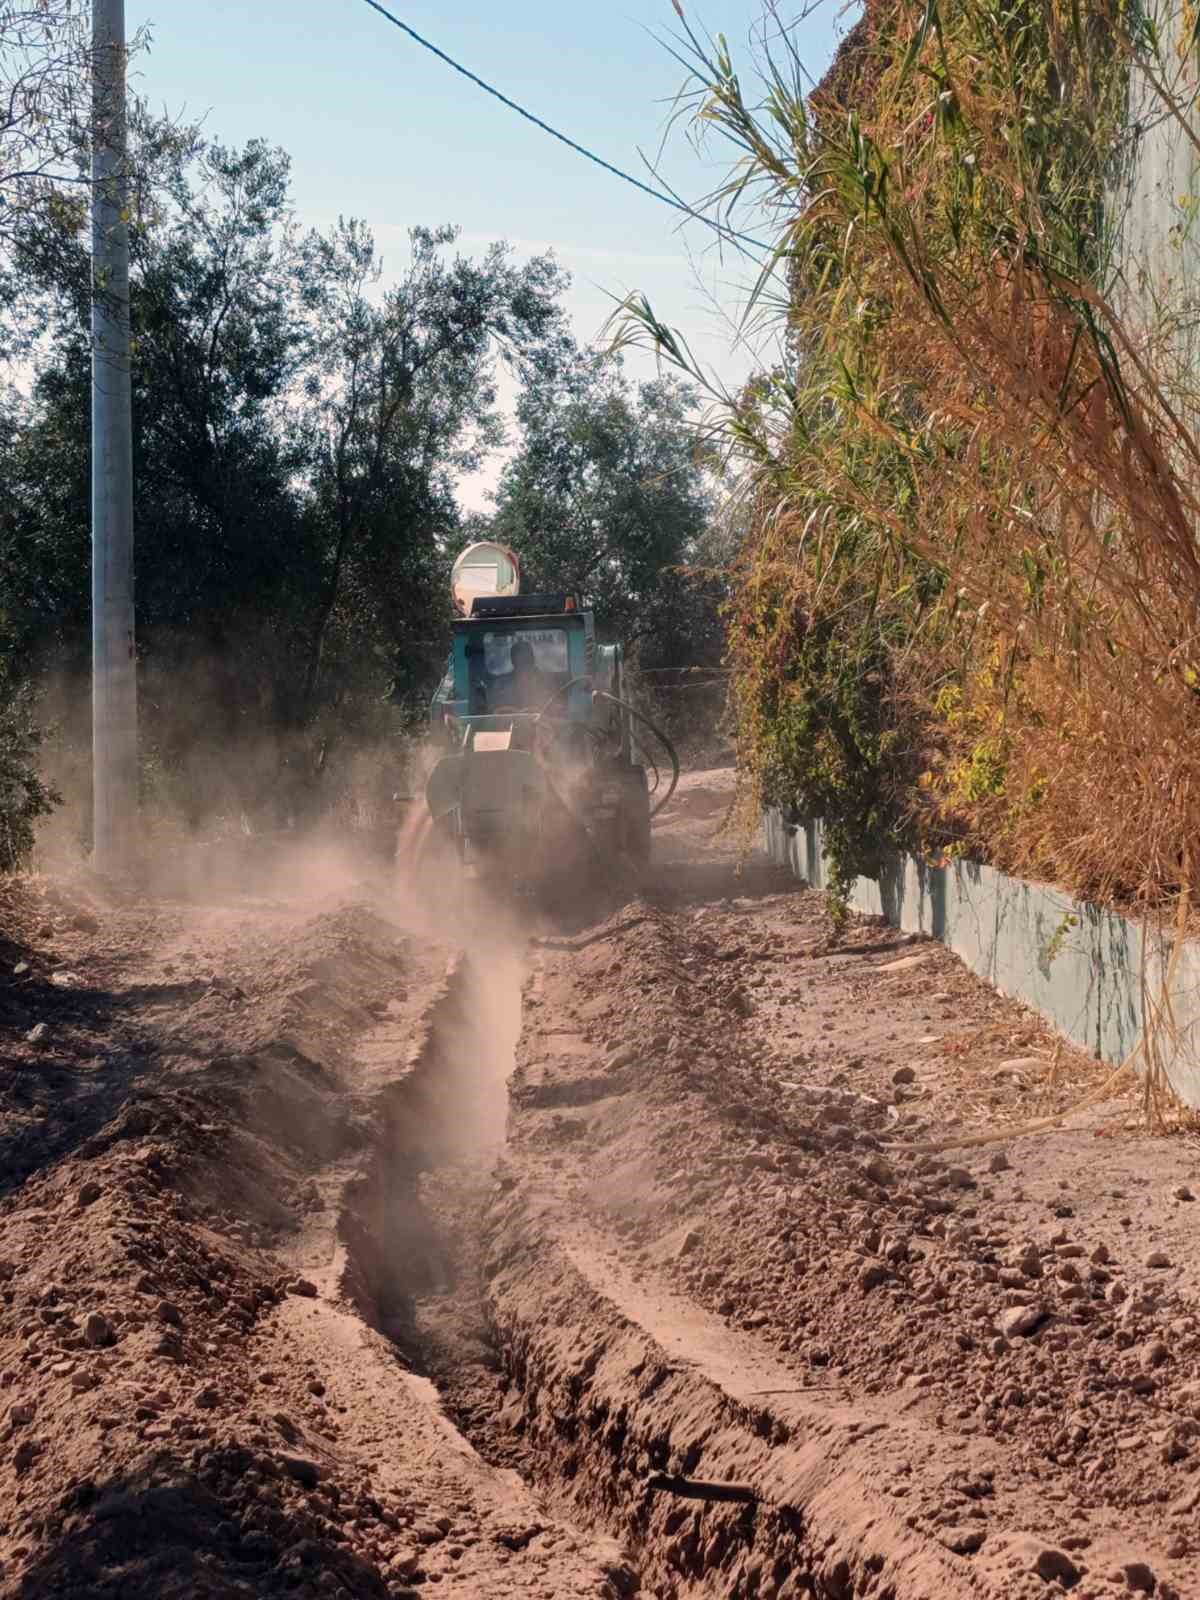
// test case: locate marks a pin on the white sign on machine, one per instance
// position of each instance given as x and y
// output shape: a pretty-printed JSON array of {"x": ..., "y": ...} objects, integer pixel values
[{"x": 549, "y": 645}]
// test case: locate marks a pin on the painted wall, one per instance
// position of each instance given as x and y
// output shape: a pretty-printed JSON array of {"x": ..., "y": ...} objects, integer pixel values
[{"x": 1084, "y": 976}]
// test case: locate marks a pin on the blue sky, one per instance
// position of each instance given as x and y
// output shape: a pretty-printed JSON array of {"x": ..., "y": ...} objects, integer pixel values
[{"x": 378, "y": 128}]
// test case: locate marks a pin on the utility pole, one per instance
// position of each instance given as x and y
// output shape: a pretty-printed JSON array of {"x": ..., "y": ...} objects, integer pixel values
[{"x": 114, "y": 682}]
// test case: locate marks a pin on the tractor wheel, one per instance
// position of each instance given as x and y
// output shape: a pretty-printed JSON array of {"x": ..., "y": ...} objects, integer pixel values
[{"x": 635, "y": 815}]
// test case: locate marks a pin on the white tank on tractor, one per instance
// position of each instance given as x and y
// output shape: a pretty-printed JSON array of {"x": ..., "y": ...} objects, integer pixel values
[{"x": 486, "y": 568}]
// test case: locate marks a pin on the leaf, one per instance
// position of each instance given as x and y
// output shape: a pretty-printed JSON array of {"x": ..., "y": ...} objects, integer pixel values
[{"x": 916, "y": 44}]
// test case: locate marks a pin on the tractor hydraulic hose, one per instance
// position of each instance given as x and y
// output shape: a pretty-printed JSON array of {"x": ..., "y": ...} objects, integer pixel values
[
  {"x": 650, "y": 761},
  {"x": 659, "y": 735},
  {"x": 563, "y": 689},
  {"x": 603, "y": 694}
]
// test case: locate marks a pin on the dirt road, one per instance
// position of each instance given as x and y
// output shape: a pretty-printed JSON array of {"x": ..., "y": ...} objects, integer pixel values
[{"x": 615, "y": 1255}]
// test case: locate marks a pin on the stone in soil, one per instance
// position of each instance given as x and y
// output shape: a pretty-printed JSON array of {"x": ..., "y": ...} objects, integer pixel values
[
  {"x": 98, "y": 1330},
  {"x": 303, "y": 1469},
  {"x": 963, "y": 1541},
  {"x": 1056, "y": 1566}
]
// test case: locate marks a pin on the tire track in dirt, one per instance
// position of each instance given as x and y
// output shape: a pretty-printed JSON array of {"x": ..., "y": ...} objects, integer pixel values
[{"x": 713, "y": 1259}]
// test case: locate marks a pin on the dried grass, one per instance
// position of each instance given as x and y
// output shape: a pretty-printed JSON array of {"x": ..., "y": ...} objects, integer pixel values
[{"x": 968, "y": 404}]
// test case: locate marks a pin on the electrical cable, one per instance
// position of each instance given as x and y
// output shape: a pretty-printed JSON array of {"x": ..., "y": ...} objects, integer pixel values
[{"x": 589, "y": 155}]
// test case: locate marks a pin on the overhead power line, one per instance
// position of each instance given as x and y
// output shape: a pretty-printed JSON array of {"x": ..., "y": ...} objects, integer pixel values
[{"x": 588, "y": 155}]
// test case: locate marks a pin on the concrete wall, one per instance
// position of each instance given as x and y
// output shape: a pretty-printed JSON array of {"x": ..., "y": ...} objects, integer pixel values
[
  {"x": 1153, "y": 207},
  {"x": 1086, "y": 978}
]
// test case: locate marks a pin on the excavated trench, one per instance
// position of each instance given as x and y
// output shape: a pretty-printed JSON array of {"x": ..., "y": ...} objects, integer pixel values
[
  {"x": 414, "y": 1221},
  {"x": 657, "y": 1295},
  {"x": 455, "y": 1252},
  {"x": 412, "y": 1224}
]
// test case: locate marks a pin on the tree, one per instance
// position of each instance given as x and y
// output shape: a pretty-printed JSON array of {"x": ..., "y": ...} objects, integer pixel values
[
  {"x": 43, "y": 90},
  {"x": 297, "y": 435},
  {"x": 42, "y": 83},
  {"x": 216, "y": 342},
  {"x": 46, "y": 116},
  {"x": 608, "y": 494},
  {"x": 402, "y": 399},
  {"x": 24, "y": 795}
]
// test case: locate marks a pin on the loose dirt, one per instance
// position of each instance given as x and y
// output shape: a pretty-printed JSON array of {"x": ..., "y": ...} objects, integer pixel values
[
  {"x": 197, "y": 1399},
  {"x": 301, "y": 1296}
]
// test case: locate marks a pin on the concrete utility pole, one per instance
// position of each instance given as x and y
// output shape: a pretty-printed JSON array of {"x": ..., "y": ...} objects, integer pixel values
[{"x": 114, "y": 682}]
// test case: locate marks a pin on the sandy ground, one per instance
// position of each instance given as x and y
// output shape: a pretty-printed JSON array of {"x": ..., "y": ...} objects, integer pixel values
[
  {"x": 302, "y": 1293},
  {"x": 196, "y": 1396},
  {"x": 932, "y": 1370}
]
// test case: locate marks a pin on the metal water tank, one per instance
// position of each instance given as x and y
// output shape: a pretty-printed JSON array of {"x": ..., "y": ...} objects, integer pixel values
[{"x": 482, "y": 569}]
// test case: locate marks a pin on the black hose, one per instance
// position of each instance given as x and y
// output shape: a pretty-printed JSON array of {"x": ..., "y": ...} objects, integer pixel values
[
  {"x": 571, "y": 683},
  {"x": 558, "y": 694},
  {"x": 659, "y": 735},
  {"x": 634, "y": 712},
  {"x": 650, "y": 761}
]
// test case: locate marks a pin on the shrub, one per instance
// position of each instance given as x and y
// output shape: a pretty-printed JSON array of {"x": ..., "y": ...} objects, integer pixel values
[
  {"x": 966, "y": 608},
  {"x": 24, "y": 796}
]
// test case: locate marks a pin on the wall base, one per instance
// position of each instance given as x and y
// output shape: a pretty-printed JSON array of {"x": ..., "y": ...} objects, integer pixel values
[{"x": 1084, "y": 976}]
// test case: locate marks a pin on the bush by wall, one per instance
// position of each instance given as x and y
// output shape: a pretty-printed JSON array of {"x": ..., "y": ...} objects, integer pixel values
[{"x": 966, "y": 612}]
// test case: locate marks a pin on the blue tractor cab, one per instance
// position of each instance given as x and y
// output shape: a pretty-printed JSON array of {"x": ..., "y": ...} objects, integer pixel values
[{"x": 539, "y": 755}]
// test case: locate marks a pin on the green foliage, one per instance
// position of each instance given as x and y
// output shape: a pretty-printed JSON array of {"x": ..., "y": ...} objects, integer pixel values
[
  {"x": 1057, "y": 941},
  {"x": 44, "y": 54},
  {"x": 608, "y": 494},
  {"x": 404, "y": 400},
  {"x": 298, "y": 432},
  {"x": 300, "y": 426},
  {"x": 24, "y": 795},
  {"x": 818, "y": 726}
]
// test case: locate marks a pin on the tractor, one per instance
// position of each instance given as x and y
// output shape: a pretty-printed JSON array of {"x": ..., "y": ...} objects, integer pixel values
[{"x": 541, "y": 765}]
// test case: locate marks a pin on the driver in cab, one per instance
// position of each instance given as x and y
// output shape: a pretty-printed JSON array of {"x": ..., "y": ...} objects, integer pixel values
[{"x": 530, "y": 688}]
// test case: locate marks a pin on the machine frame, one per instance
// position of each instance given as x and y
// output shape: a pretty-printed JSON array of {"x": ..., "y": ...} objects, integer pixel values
[{"x": 521, "y": 787}]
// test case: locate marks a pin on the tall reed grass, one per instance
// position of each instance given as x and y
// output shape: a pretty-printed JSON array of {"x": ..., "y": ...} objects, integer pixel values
[{"x": 966, "y": 616}]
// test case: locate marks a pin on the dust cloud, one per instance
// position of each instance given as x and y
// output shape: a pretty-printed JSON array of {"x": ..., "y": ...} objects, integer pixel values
[
  {"x": 230, "y": 784},
  {"x": 215, "y": 843},
  {"x": 436, "y": 900}
]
